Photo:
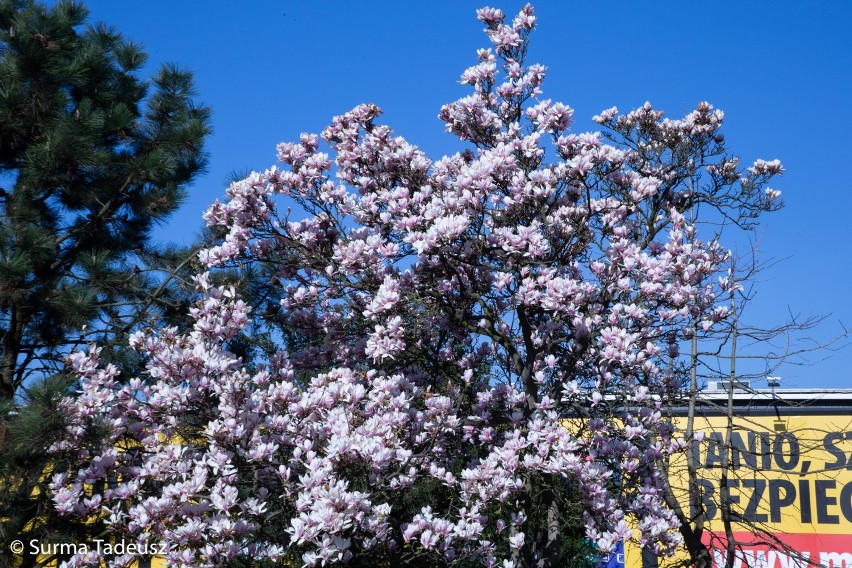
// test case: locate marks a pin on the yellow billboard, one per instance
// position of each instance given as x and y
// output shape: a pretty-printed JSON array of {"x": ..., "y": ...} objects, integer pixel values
[{"x": 789, "y": 480}]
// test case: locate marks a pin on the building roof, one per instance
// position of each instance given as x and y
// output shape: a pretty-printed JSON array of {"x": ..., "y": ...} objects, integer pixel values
[{"x": 746, "y": 400}]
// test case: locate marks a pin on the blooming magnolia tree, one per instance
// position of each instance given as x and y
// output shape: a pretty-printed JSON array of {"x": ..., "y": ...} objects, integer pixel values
[{"x": 472, "y": 352}]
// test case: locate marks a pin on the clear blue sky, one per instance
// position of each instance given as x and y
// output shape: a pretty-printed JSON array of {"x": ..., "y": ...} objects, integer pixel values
[{"x": 781, "y": 71}]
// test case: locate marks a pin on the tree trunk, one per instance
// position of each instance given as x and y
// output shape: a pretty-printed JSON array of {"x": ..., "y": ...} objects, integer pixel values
[
  {"x": 550, "y": 551},
  {"x": 11, "y": 350}
]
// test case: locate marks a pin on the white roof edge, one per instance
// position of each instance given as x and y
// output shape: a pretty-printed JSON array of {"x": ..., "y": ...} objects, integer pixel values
[{"x": 779, "y": 394}]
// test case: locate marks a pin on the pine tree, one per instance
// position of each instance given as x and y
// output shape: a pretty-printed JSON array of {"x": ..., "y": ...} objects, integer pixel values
[
  {"x": 90, "y": 162},
  {"x": 92, "y": 157}
]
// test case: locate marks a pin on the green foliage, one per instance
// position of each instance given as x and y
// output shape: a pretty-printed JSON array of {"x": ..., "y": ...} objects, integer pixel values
[
  {"x": 92, "y": 157},
  {"x": 24, "y": 474}
]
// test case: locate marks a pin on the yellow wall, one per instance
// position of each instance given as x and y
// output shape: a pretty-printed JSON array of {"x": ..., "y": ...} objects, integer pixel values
[{"x": 791, "y": 477}]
